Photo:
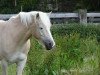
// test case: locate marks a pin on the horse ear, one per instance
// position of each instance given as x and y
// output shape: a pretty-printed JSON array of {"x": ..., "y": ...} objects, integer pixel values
[
  {"x": 49, "y": 13},
  {"x": 37, "y": 16}
]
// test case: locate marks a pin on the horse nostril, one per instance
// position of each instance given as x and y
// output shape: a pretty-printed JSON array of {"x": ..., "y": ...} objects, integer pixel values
[{"x": 49, "y": 44}]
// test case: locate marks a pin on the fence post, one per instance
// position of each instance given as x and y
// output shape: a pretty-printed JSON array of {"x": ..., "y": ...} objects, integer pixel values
[{"x": 83, "y": 16}]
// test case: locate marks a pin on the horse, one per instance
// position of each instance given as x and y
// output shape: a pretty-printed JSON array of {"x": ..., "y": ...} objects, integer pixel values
[{"x": 15, "y": 36}]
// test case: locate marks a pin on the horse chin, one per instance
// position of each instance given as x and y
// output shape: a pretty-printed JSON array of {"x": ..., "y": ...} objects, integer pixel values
[
  {"x": 45, "y": 46},
  {"x": 48, "y": 47},
  {"x": 46, "y": 43}
]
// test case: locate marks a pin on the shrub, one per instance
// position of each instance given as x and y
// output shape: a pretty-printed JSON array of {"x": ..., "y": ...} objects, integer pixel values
[{"x": 83, "y": 30}]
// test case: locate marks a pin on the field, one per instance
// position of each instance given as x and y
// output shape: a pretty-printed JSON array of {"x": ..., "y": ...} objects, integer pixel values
[{"x": 77, "y": 52}]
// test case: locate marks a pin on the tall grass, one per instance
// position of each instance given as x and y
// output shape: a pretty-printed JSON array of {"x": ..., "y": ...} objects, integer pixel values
[{"x": 76, "y": 52}]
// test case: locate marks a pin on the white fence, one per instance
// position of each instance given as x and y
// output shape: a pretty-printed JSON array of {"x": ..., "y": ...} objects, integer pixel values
[
  {"x": 89, "y": 16},
  {"x": 72, "y": 15},
  {"x": 82, "y": 17},
  {"x": 56, "y": 15}
]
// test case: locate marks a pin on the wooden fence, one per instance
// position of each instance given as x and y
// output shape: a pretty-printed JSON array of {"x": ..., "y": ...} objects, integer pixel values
[{"x": 82, "y": 16}]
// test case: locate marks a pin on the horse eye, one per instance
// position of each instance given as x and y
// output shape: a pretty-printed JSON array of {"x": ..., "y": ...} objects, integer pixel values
[{"x": 41, "y": 28}]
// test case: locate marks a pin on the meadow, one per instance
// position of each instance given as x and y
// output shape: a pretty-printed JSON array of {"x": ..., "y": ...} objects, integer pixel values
[{"x": 77, "y": 52}]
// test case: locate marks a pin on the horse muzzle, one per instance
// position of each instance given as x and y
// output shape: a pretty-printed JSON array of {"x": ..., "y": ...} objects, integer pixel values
[{"x": 48, "y": 44}]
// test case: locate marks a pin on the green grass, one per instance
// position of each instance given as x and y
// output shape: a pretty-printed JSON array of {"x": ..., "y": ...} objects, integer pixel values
[{"x": 76, "y": 52}]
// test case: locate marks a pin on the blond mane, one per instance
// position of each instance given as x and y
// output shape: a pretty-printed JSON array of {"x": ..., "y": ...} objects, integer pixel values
[{"x": 26, "y": 17}]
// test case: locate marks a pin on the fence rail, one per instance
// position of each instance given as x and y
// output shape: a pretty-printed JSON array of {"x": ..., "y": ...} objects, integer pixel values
[
  {"x": 91, "y": 16},
  {"x": 56, "y": 15},
  {"x": 72, "y": 15}
]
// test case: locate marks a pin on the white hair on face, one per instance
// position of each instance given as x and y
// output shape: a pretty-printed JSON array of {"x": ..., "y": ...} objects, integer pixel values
[{"x": 27, "y": 17}]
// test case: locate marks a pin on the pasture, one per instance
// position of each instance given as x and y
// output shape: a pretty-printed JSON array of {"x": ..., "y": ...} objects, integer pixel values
[{"x": 77, "y": 52}]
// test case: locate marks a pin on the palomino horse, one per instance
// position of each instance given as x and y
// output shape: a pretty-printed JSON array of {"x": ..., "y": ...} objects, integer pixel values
[{"x": 15, "y": 34}]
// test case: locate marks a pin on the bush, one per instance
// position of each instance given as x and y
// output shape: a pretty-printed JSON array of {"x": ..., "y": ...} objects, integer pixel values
[{"x": 83, "y": 30}]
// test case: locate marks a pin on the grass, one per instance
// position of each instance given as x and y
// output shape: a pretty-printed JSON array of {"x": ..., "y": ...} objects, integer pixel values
[{"x": 76, "y": 53}]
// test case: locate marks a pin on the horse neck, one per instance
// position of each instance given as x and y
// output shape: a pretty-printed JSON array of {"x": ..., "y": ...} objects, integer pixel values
[{"x": 21, "y": 32}]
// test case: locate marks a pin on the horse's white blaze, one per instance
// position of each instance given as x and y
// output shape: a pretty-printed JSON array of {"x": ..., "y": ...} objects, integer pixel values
[{"x": 15, "y": 34}]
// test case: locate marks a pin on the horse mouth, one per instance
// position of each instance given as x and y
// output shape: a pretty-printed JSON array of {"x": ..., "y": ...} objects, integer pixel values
[
  {"x": 48, "y": 44},
  {"x": 48, "y": 47}
]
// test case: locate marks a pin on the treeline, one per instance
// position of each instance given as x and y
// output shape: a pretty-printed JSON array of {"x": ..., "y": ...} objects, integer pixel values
[{"x": 15, "y": 6}]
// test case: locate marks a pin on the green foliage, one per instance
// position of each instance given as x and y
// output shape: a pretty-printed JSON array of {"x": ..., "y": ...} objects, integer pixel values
[
  {"x": 83, "y": 30},
  {"x": 14, "y": 6},
  {"x": 72, "y": 48},
  {"x": 91, "y": 5}
]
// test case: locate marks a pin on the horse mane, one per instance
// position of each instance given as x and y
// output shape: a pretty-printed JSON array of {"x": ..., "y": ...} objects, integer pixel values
[{"x": 26, "y": 17}]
